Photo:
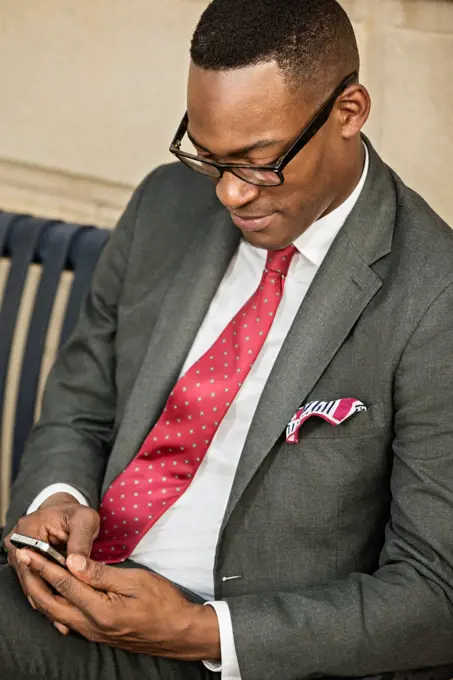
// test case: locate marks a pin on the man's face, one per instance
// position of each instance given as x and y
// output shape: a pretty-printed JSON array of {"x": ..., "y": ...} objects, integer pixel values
[{"x": 251, "y": 115}]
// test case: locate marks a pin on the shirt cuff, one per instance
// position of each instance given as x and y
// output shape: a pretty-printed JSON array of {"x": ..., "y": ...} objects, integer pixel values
[
  {"x": 229, "y": 667},
  {"x": 53, "y": 489}
]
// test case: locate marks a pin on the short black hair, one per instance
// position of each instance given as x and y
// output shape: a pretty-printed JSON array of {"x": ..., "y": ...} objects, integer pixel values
[{"x": 310, "y": 40}]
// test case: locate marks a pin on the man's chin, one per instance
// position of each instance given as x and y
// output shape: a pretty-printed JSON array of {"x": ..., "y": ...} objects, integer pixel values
[{"x": 270, "y": 238}]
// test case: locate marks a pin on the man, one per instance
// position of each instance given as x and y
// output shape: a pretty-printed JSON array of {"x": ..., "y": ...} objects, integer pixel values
[{"x": 257, "y": 397}]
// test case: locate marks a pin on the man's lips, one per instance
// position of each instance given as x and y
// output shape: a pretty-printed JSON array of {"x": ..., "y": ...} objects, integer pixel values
[{"x": 252, "y": 223}]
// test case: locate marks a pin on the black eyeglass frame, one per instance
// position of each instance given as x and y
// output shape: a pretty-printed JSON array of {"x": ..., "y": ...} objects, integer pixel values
[{"x": 316, "y": 123}]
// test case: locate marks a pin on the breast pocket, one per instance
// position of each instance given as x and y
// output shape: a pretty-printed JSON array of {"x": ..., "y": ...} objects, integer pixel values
[{"x": 363, "y": 423}]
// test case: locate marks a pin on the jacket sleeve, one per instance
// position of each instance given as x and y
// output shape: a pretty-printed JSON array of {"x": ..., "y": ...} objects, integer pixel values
[
  {"x": 401, "y": 616},
  {"x": 72, "y": 440}
]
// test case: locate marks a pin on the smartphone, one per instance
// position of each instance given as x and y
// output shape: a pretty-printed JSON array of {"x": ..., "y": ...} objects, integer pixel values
[{"x": 41, "y": 547}]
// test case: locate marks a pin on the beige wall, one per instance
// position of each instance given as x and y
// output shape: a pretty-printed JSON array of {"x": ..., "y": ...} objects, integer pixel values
[{"x": 95, "y": 88}]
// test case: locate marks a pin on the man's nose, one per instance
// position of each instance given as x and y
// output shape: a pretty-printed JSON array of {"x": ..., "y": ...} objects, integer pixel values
[{"x": 234, "y": 192}]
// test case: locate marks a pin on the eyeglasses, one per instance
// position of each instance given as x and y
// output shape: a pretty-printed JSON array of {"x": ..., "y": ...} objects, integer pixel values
[{"x": 262, "y": 175}]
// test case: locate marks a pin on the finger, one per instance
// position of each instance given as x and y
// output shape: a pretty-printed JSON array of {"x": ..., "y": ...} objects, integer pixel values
[
  {"x": 14, "y": 563},
  {"x": 98, "y": 575},
  {"x": 33, "y": 585},
  {"x": 12, "y": 559},
  {"x": 70, "y": 588},
  {"x": 56, "y": 608},
  {"x": 84, "y": 527},
  {"x": 64, "y": 630},
  {"x": 7, "y": 543}
]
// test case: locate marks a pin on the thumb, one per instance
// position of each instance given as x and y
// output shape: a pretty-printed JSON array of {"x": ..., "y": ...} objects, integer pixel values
[
  {"x": 83, "y": 529},
  {"x": 95, "y": 574}
]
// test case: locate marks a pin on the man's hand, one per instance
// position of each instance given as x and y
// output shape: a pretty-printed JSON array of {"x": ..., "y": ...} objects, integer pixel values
[
  {"x": 60, "y": 521},
  {"x": 131, "y": 609}
]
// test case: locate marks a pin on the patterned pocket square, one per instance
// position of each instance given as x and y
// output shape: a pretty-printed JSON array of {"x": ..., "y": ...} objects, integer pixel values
[{"x": 335, "y": 412}]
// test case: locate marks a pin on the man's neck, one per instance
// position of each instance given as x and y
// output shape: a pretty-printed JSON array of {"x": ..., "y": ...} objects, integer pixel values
[{"x": 352, "y": 177}]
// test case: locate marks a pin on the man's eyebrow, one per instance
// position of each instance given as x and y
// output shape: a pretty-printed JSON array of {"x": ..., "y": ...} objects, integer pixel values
[{"x": 239, "y": 153}]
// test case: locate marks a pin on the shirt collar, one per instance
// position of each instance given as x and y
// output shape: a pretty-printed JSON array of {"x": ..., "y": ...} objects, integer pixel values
[{"x": 317, "y": 239}]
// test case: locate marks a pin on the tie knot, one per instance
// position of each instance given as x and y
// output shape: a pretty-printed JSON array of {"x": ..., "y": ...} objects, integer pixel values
[{"x": 278, "y": 261}]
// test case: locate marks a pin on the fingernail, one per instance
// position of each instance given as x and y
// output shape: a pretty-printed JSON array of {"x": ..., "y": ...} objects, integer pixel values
[
  {"x": 77, "y": 562},
  {"x": 62, "y": 629},
  {"x": 32, "y": 604},
  {"x": 22, "y": 557}
]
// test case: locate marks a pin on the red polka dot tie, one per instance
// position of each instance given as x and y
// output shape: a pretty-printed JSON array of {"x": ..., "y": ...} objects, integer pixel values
[{"x": 172, "y": 452}]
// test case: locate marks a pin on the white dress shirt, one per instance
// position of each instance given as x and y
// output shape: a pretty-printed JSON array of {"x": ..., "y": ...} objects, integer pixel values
[{"x": 181, "y": 545}]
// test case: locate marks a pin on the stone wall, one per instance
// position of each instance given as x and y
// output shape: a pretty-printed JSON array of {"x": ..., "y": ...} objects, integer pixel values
[{"x": 92, "y": 90}]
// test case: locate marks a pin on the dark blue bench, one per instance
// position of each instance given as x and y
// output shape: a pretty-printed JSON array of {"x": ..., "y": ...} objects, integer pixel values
[{"x": 56, "y": 246}]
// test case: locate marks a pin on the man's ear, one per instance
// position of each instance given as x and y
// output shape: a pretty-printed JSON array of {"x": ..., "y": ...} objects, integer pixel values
[{"x": 354, "y": 107}]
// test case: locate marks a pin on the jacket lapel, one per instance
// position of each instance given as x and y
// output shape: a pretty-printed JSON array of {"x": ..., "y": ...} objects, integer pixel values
[
  {"x": 341, "y": 290},
  {"x": 183, "y": 310}
]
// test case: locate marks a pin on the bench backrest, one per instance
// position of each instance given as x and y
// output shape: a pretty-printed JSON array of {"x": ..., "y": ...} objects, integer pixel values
[{"x": 46, "y": 269}]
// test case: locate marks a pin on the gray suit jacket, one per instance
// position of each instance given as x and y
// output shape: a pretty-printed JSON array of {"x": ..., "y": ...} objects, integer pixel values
[{"x": 344, "y": 542}]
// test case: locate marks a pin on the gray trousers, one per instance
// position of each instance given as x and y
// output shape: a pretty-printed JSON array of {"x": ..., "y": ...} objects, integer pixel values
[{"x": 32, "y": 649}]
